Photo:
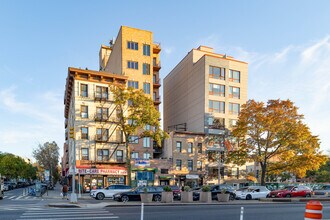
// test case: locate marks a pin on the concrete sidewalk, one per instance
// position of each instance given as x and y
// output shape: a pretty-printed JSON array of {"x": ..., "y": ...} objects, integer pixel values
[{"x": 56, "y": 194}]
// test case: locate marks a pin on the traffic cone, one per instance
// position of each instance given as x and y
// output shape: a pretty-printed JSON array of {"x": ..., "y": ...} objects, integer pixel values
[{"x": 313, "y": 210}]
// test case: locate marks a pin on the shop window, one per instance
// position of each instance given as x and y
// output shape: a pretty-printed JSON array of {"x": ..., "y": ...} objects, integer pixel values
[{"x": 164, "y": 171}]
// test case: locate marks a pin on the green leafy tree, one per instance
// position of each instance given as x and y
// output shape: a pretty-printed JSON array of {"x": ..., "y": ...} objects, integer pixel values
[
  {"x": 135, "y": 110},
  {"x": 47, "y": 155},
  {"x": 274, "y": 136},
  {"x": 321, "y": 175},
  {"x": 14, "y": 167}
]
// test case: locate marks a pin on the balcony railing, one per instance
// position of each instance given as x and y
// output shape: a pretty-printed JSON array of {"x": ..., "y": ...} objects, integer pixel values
[
  {"x": 101, "y": 96},
  {"x": 101, "y": 117},
  {"x": 157, "y": 100},
  {"x": 101, "y": 138},
  {"x": 156, "y": 48},
  {"x": 156, "y": 83},
  {"x": 156, "y": 65}
]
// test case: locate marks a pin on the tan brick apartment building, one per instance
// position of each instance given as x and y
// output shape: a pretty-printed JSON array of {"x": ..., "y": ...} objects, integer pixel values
[
  {"x": 202, "y": 87},
  {"x": 131, "y": 59}
]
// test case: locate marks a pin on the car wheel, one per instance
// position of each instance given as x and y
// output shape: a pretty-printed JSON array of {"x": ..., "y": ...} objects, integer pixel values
[
  {"x": 100, "y": 196},
  {"x": 124, "y": 198},
  {"x": 308, "y": 195},
  {"x": 157, "y": 198},
  {"x": 248, "y": 197},
  {"x": 288, "y": 196},
  {"x": 231, "y": 197}
]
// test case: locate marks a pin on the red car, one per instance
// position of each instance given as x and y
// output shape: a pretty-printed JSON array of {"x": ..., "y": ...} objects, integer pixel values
[{"x": 291, "y": 191}]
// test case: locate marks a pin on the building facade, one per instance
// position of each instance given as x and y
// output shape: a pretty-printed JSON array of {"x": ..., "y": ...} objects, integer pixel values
[
  {"x": 132, "y": 59},
  {"x": 203, "y": 95}
]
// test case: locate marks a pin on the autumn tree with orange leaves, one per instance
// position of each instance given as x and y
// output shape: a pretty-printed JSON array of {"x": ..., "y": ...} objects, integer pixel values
[{"x": 274, "y": 136}]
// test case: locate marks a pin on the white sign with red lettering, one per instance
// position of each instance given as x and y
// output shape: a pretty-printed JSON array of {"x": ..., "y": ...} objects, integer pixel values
[{"x": 103, "y": 171}]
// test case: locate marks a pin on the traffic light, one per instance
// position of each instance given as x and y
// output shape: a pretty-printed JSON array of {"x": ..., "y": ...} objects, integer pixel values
[{"x": 72, "y": 133}]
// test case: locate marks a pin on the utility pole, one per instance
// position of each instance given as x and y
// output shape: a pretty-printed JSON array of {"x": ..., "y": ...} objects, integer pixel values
[{"x": 73, "y": 197}]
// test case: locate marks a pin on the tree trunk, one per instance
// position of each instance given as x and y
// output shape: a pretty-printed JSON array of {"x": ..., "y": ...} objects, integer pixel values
[
  {"x": 263, "y": 173},
  {"x": 128, "y": 162}
]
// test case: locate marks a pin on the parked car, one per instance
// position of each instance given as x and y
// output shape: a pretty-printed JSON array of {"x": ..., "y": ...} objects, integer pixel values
[
  {"x": 109, "y": 191},
  {"x": 291, "y": 191},
  {"x": 134, "y": 194},
  {"x": 252, "y": 192},
  {"x": 215, "y": 189},
  {"x": 322, "y": 191},
  {"x": 176, "y": 192}
]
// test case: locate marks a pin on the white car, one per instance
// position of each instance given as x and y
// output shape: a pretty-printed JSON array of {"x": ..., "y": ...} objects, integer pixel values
[
  {"x": 109, "y": 191},
  {"x": 252, "y": 192}
]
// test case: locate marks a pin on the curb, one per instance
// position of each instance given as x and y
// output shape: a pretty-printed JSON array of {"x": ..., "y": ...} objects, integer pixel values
[
  {"x": 64, "y": 206},
  {"x": 292, "y": 199}
]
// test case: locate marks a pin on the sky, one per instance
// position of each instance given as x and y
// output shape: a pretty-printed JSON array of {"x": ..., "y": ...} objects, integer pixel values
[{"x": 286, "y": 43}]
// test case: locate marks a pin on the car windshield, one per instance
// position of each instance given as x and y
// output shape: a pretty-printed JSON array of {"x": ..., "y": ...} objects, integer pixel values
[{"x": 325, "y": 187}]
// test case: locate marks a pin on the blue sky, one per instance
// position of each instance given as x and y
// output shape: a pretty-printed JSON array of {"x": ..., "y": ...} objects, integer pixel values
[{"x": 287, "y": 45}]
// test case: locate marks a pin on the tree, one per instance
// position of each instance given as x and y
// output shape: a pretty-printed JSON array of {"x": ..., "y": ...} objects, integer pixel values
[
  {"x": 13, "y": 167},
  {"x": 274, "y": 136},
  {"x": 134, "y": 111},
  {"x": 47, "y": 155},
  {"x": 322, "y": 175}
]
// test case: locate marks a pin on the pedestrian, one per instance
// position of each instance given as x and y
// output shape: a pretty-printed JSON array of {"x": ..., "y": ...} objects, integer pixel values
[{"x": 65, "y": 191}]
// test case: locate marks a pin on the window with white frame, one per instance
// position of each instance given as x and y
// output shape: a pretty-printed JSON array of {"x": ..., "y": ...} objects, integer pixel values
[
  {"x": 146, "y": 88},
  {"x": 84, "y": 133},
  {"x": 146, "y": 142},
  {"x": 216, "y": 89},
  {"x": 179, "y": 146},
  {"x": 119, "y": 156},
  {"x": 216, "y": 106},
  {"x": 84, "y": 154},
  {"x": 84, "y": 111},
  {"x": 190, "y": 147},
  {"x": 217, "y": 72},
  {"x": 133, "y": 84},
  {"x": 146, "y": 155},
  {"x": 133, "y": 139},
  {"x": 101, "y": 92},
  {"x": 135, "y": 155},
  {"x": 103, "y": 155},
  {"x": 84, "y": 90}
]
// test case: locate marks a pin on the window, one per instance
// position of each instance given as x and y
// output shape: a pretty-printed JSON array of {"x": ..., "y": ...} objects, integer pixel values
[
  {"x": 217, "y": 72},
  {"x": 135, "y": 155},
  {"x": 234, "y": 76},
  {"x": 84, "y": 154},
  {"x": 101, "y": 92},
  {"x": 179, "y": 146},
  {"x": 199, "y": 165},
  {"x": 190, "y": 147},
  {"x": 200, "y": 148},
  {"x": 130, "y": 103},
  {"x": 215, "y": 123},
  {"x": 178, "y": 164},
  {"x": 84, "y": 133},
  {"x": 146, "y": 49},
  {"x": 133, "y": 84},
  {"x": 147, "y": 127},
  {"x": 102, "y": 134},
  {"x": 232, "y": 122},
  {"x": 216, "y": 106},
  {"x": 133, "y": 139},
  {"x": 132, "y": 65},
  {"x": 146, "y": 155},
  {"x": 234, "y": 108},
  {"x": 84, "y": 90},
  {"x": 119, "y": 155},
  {"x": 146, "y": 69},
  {"x": 102, "y": 155},
  {"x": 146, "y": 142},
  {"x": 234, "y": 92},
  {"x": 164, "y": 171},
  {"x": 190, "y": 165},
  {"x": 84, "y": 111},
  {"x": 132, "y": 45},
  {"x": 131, "y": 122},
  {"x": 146, "y": 88},
  {"x": 216, "y": 89},
  {"x": 101, "y": 113}
]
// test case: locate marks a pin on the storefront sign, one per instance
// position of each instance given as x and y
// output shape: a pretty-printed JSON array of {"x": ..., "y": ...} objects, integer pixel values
[
  {"x": 189, "y": 176},
  {"x": 102, "y": 171},
  {"x": 142, "y": 163}
]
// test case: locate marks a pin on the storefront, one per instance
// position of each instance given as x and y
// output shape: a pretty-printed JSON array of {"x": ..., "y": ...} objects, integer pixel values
[
  {"x": 99, "y": 178},
  {"x": 143, "y": 176}
]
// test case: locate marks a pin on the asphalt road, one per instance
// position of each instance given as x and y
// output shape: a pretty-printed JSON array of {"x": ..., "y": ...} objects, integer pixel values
[{"x": 287, "y": 211}]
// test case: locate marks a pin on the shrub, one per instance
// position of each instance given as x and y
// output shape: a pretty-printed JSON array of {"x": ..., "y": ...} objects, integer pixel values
[
  {"x": 206, "y": 188},
  {"x": 186, "y": 189},
  {"x": 167, "y": 189},
  {"x": 145, "y": 190}
]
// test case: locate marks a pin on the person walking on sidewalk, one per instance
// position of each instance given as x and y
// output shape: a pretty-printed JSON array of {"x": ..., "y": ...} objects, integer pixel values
[{"x": 65, "y": 191}]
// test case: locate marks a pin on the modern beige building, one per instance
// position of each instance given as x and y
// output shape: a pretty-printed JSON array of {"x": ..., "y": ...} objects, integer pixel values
[
  {"x": 202, "y": 87},
  {"x": 202, "y": 94},
  {"x": 131, "y": 59}
]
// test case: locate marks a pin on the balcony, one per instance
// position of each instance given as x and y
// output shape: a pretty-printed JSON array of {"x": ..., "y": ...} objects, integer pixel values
[
  {"x": 156, "y": 83},
  {"x": 157, "y": 100},
  {"x": 101, "y": 139},
  {"x": 156, "y": 48},
  {"x": 156, "y": 66},
  {"x": 101, "y": 117}
]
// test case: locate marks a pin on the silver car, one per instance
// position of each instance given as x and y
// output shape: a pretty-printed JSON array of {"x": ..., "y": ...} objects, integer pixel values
[{"x": 323, "y": 191}]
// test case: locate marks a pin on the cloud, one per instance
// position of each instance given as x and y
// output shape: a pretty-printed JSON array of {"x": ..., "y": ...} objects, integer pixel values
[{"x": 168, "y": 50}]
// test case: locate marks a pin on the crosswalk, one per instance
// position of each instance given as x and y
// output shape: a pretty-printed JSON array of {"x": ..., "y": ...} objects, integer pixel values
[
  {"x": 17, "y": 197},
  {"x": 67, "y": 214},
  {"x": 20, "y": 207}
]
